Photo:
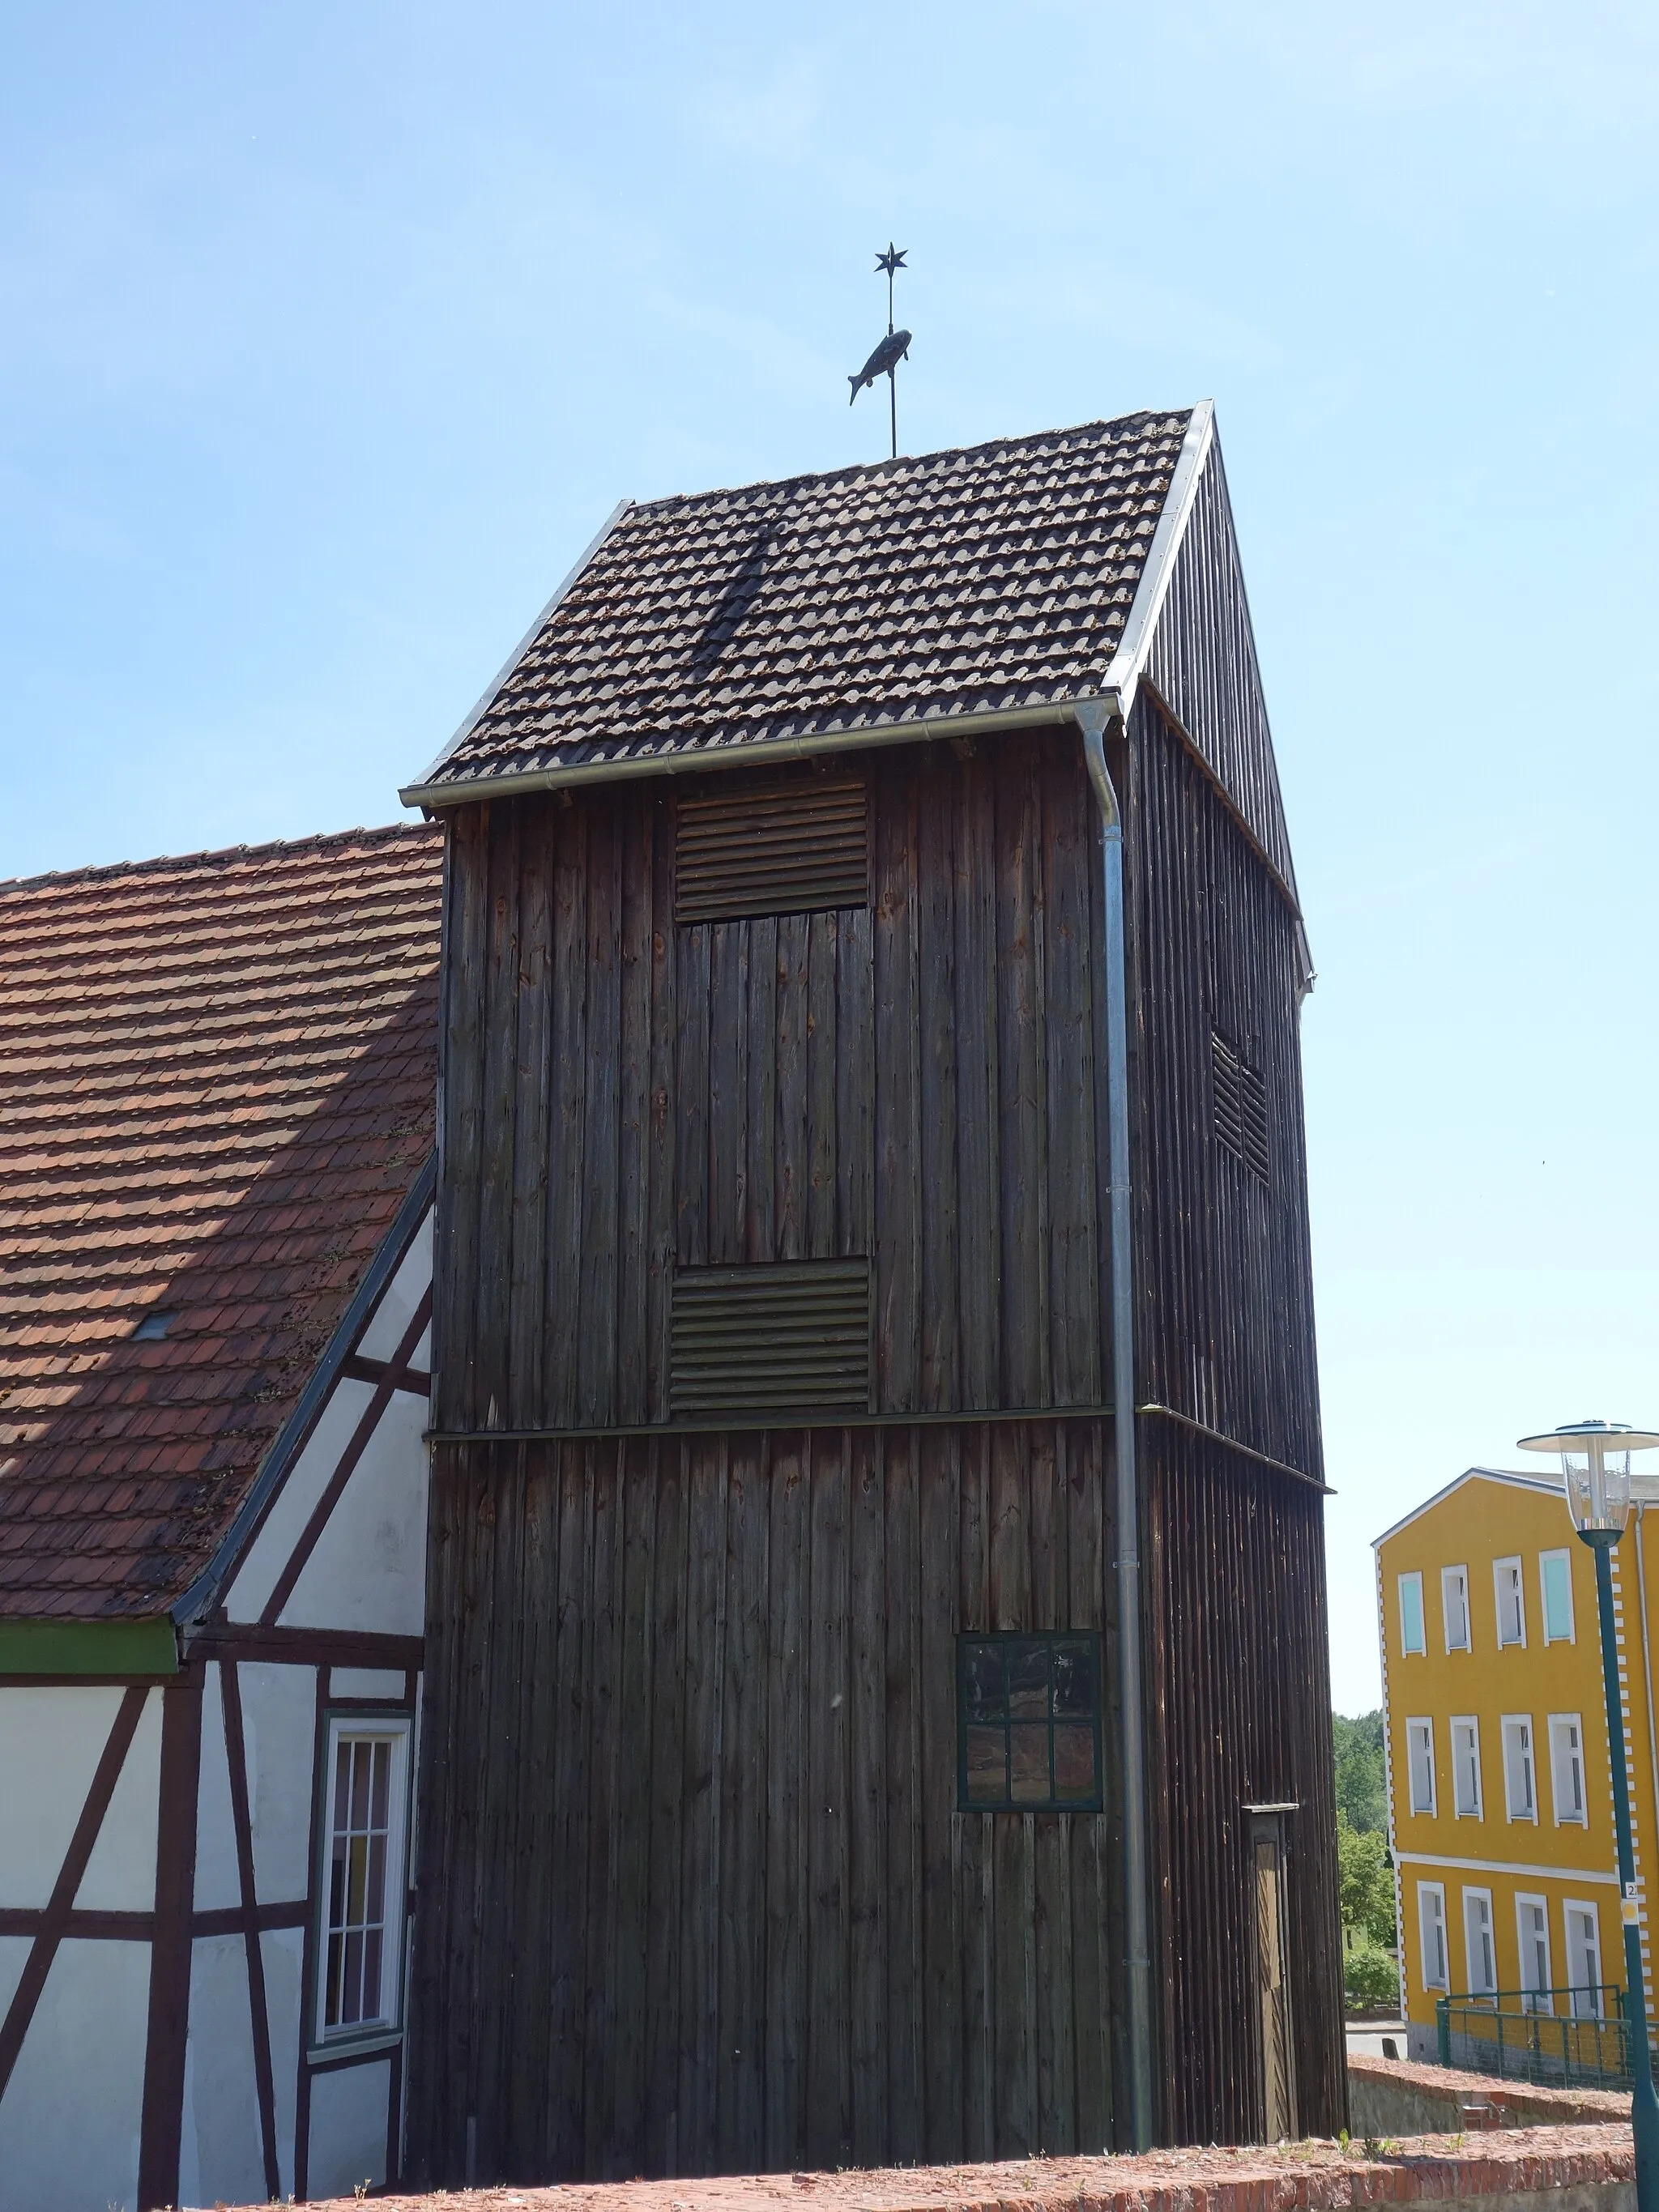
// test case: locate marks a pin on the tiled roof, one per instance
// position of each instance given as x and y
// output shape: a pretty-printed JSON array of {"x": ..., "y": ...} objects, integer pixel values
[
  {"x": 218, "y": 1077},
  {"x": 995, "y": 578}
]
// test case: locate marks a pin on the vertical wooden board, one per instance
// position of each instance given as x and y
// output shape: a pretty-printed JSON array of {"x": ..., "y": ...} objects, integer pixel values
[
  {"x": 691, "y": 1137},
  {"x": 790, "y": 1197},
  {"x": 1013, "y": 1972},
  {"x": 476, "y": 1504},
  {"x": 461, "y": 1147},
  {"x": 788, "y": 1817},
  {"x": 536, "y": 1779},
  {"x": 902, "y": 1618},
  {"x": 602, "y": 1132},
  {"x": 980, "y": 1258},
  {"x": 1010, "y": 1525},
  {"x": 740, "y": 2046},
  {"x": 500, "y": 1723},
  {"x": 1071, "y": 960},
  {"x": 532, "y": 1074},
  {"x": 665, "y": 1932},
  {"x": 700, "y": 1862},
  {"x": 855, "y": 1083},
  {"x": 982, "y": 2092},
  {"x": 665, "y": 1122},
  {"x": 760, "y": 1017},
  {"x": 1091, "y": 1993},
  {"x": 569, "y": 1092},
  {"x": 939, "y": 1616},
  {"x": 565, "y": 1994},
  {"x": 1050, "y": 1581},
  {"x": 1054, "y": 1967},
  {"x": 728, "y": 1090},
  {"x": 826, "y": 1230},
  {"x": 867, "y": 1837},
  {"x": 631, "y": 1397},
  {"x": 598, "y": 1878},
  {"x": 635, "y": 1705},
  {"x": 940, "y": 1380},
  {"x": 828, "y": 2088},
  {"x": 897, "y": 1096},
  {"x": 1021, "y": 1102}
]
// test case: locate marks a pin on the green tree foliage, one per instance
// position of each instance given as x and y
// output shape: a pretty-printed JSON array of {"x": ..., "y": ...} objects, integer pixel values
[
  {"x": 1365, "y": 1880},
  {"x": 1370, "y": 1977},
  {"x": 1361, "y": 1782}
]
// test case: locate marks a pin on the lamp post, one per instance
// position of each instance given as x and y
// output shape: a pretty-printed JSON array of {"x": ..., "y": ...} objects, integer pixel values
[{"x": 1596, "y": 1474}]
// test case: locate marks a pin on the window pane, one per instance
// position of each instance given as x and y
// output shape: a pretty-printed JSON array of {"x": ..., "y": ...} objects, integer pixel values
[
  {"x": 1411, "y": 1612},
  {"x": 982, "y": 1682},
  {"x": 372, "y": 1947},
  {"x": 331, "y": 1991},
  {"x": 352, "y": 2005},
  {"x": 376, "y": 1901},
  {"x": 1557, "y": 1597},
  {"x": 988, "y": 1778},
  {"x": 382, "y": 1782},
  {"x": 1074, "y": 1762},
  {"x": 1028, "y": 1764},
  {"x": 1074, "y": 1682},
  {"x": 360, "y": 1752},
  {"x": 1028, "y": 1682},
  {"x": 342, "y": 1786}
]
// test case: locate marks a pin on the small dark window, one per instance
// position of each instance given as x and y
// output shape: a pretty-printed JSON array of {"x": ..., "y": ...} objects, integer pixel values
[
  {"x": 1028, "y": 1723},
  {"x": 154, "y": 1326},
  {"x": 1241, "y": 1104}
]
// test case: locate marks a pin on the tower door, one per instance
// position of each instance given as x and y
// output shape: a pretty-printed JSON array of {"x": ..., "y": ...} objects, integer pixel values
[{"x": 1272, "y": 1978}]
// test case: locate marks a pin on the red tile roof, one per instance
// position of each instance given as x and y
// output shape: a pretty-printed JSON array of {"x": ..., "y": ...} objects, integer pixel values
[
  {"x": 996, "y": 577},
  {"x": 218, "y": 1077}
]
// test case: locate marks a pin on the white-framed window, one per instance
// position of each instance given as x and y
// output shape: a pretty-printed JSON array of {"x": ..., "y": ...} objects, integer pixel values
[
  {"x": 1454, "y": 1607},
  {"x": 1420, "y": 1764},
  {"x": 1583, "y": 1958},
  {"x": 1567, "y": 1770},
  {"x": 1555, "y": 1587},
  {"x": 1508, "y": 1589},
  {"x": 1479, "y": 1956},
  {"x": 1465, "y": 1766},
  {"x": 1412, "y": 1636},
  {"x": 1520, "y": 1768},
  {"x": 1431, "y": 1933},
  {"x": 1532, "y": 1933},
  {"x": 363, "y": 1834}
]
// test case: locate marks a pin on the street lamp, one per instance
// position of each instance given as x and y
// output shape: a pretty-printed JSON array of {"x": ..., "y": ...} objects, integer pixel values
[{"x": 1596, "y": 1474}]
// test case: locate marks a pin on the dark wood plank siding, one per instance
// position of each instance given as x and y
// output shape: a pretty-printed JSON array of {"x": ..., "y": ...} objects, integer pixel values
[
  {"x": 1239, "y": 1715},
  {"x": 690, "y": 1857},
  {"x": 626, "y": 1095}
]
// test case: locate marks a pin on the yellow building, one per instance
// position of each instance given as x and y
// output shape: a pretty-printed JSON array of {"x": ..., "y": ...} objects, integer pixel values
[{"x": 1500, "y": 1803}]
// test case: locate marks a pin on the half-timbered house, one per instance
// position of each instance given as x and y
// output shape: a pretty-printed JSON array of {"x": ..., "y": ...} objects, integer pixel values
[
  {"x": 876, "y": 1703},
  {"x": 215, "y": 1186}
]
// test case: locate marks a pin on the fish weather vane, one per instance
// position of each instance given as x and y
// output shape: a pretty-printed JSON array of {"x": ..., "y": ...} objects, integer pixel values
[{"x": 893, "y": 348}]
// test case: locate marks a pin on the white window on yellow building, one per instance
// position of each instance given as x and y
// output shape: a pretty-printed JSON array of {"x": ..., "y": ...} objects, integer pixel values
[
  {"x": 1509, "y": 1591},
  {"x": 1413, "y": 1639},
  {"x": 1583, "y": 1958},
  {"x": 1420, "y": 1764},
  {"x": 1532, "y": 1928},
  {"x": 1479, "y": 1957},
  {"x": 1567, "y": 1769},
  {"x": 1520, "y": 1777},
  {"x": 1555, "y": 1584},
  {"x": 1431, "y": 1931},
  {"x": 1454, "y": 1607},
  {"x": 1465, "y": 1766}
]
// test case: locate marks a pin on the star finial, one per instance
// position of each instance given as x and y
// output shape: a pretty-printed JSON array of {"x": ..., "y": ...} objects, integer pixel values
[{"x": 892, "y": 259}]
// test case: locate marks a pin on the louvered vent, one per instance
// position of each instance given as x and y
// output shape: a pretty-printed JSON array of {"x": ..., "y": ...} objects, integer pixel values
[
  {"x": 786, "y": 1339},
  {"x": 780, "y": 849},
  {"x": 1240, "y": 1105}
]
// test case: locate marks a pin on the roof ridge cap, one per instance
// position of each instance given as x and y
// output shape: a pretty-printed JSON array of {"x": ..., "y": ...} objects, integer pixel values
[{"x": 219, "y": 856}]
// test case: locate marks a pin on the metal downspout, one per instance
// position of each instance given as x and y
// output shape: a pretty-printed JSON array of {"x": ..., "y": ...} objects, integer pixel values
[
  {"x": 1647, "y": 1660},
  {"x": 1093, "y": 717}
]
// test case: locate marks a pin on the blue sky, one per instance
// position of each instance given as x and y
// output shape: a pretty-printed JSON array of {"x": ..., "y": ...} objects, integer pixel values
[{"x": 330, "y": 334}]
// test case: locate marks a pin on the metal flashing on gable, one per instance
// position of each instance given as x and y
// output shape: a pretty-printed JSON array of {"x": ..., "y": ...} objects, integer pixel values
[
  {"x": 1153, "y": 588},
  {"x": 1515, "y": 1477},
  {"x": 415, "y": 793}
]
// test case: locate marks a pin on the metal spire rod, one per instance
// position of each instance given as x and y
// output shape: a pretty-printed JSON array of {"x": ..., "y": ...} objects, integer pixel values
[{"x": 893, "y": 348}]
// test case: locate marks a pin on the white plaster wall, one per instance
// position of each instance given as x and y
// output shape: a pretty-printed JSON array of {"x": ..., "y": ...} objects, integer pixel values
[
  {"x": 368, "y": 1570},
  {"x": 348, "y": 2109},
  {"x": 218, "y": 1883},
  {"x": 385, "y": 1683},
  {"x": 400, "y": 1298},
  {"x": 70, "y": 2118},
  {"x": 50, "y": 1741},
  {"x": 120, "y": 1876},
  {"x": 279, "y": 1729},
  {"x": 269, "y": 1554},
  {"x": 221, "y": 2160},
  {"x": 284, "y": 1950}
]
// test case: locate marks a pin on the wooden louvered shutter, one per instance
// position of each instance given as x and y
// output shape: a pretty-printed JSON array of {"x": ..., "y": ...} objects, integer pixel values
[
  {"x": 798, "y": 848},
  {"x": 791, "y": 1338}
]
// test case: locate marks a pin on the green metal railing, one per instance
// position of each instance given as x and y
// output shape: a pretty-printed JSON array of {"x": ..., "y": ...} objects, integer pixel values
[{"x": 1578, "y": 2038}]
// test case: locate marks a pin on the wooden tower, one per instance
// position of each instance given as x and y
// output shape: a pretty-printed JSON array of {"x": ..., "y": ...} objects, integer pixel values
[{"x": 876, "y": 1694}]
